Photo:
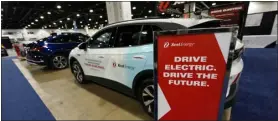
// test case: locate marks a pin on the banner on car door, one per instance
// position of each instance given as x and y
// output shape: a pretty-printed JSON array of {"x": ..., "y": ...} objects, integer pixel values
[{"x": 192, "y": 69}]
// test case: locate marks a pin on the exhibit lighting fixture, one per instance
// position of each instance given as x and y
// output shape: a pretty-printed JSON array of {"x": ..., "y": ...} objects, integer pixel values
[
  {"x": 88, "y": 24},
  {"x": 91, "y": 11},
  {"x": 49, "y": 25},
  {"x": 162, "y": 13},
  {"x": 105, "y": 20},
  {"x": 36, "y": 20},
  {"x": 80, "y": 22},
  {"x": 61, "y": 21},
  {"x": 172, "y": 14},
  {"x": 48, "y": 12},
  {"x": 68, "y": 18},
  {"x": 32, "y": 23},
  {"x": 145, "y": 16},
  {"x": 90, "y": 19},
  {"x": 150, "y": 11},
  {"x": 2, "y": 9},
  {"x": 96, "y": 22},
  {"x": 54, "y": 23},
  {"x": 213, "y": 4},
  {"x": 29, "y": 25},
  {"x": 41, "y": 17},
  {"x": 59, "y": 6},
  {"x": 77, "y": 15},
  {"x": 134, "y": 8},
  {"x": 45, "y": 26},
  {"x": 100, "y": 16}
]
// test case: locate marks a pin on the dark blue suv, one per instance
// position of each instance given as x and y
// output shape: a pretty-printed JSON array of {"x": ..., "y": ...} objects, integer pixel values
[{"x": 53, "y": 51}]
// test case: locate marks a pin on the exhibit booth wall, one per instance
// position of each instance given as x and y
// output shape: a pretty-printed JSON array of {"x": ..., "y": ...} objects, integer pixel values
[{"x": 260, "y": 29}]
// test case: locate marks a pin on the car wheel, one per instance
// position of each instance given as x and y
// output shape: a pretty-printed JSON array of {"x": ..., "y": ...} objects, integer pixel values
[
  {"x": 59, "y": 61},
  {"x": 146, "y": 96},
  {"x": 78, "y": 72}
]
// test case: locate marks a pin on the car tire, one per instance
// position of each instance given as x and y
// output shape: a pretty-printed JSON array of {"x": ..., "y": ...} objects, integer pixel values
[
  {"x": 78, "y": 72},
  {"x": 58, "y": 61},
  {"x": 145, "y": 95}
]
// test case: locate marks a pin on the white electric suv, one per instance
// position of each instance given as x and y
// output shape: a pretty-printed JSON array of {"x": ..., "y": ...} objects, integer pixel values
[{"x": 120, "y": 57}]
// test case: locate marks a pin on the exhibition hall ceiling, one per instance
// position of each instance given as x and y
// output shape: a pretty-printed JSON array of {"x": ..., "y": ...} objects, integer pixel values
[{"x": 55, "y": 14}]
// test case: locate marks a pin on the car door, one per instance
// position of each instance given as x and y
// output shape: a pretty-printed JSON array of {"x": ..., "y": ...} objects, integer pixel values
[
  {"x": 96, "y": 58},
  {"x": 126, "y": 56}
]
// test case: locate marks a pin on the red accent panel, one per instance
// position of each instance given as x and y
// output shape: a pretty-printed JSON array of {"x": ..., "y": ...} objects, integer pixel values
[{"x": 191, "y": 102}]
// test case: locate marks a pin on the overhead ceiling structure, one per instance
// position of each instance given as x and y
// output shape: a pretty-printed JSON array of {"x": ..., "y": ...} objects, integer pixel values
[{"x": 52, "y": 14}]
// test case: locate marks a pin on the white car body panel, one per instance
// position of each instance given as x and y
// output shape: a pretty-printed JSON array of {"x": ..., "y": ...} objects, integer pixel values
[{"x": 136, "y": 58}]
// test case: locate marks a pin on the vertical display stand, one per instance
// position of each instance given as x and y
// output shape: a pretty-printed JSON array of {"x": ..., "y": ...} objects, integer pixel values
[{"x": 192, "y": 69}]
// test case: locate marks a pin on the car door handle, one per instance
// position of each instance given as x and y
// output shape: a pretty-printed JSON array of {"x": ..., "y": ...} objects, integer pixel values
[
  {"x": 100, "y": 57},
  {"x": 139, "y": 57}
]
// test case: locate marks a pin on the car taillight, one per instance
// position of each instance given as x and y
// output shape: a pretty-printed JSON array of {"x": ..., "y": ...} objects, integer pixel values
[{"x": 37, "y": 48}]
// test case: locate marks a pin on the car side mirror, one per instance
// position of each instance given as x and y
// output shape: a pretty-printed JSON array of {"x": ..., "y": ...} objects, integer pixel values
[{"x": 83, "y": 46}]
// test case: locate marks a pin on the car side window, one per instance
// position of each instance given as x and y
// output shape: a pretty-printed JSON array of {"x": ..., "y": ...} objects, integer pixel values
[
  {"x": 128, "y": 36},
  {"x": 102, "y": 39},
  {"x": 78, "y": 38},
  {"x": 60, "y": 39},
  {"x": 147, "y": 34}
]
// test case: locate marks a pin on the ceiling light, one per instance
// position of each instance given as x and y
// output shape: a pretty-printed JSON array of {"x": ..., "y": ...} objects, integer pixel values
[
  {"x": 45, "y": 26},
  {"x": 49, "y": 25},
  {"x": 59, "y": 7},
  {"x": 41, "y": 17},
  {"x": 91, "y": 11},
  {"x": 213, "y": 3},
  {"x": 134, "y": 8},
  {"x": 68, "y": 18},
  {"x": 162, "y": 13},
  {"x": 80, "y": 22},
  {"x": 81, "y": 25},
  {"x": 90, "y": 19},
  {"x": 29, "y": 25},
  {"x": 32, "y": 23},
  {"x": 77, "y": 15},
  {"x": 36, "y": 20},
  {"x": 54, "y": 23},
  {"x": 49, "y": 13},
  {"x": 105, "y": 20},
  {"x": 172, "y": 14},
  {"x": 145, "y": 16},
  {"x": 150, "y": 11},
  {"x": 61, "y": 21},
  {"x": 96, "y": 22},
  {"x": 88, "y": 24},
  {"x": 100, "y": 16},
  {"x": 62, "y": 27}
]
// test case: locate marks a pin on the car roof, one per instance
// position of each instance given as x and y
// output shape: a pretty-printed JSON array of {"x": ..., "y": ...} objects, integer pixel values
[{"x": 189, "y": 22}]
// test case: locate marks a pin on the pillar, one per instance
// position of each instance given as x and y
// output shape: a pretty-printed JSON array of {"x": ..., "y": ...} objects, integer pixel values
[
  {"x": 190, "y": 8},
  {"x": 118, "y": 11}
]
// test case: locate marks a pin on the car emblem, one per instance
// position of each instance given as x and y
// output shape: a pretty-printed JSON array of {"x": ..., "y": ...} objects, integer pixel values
[{"x": 114, "y": 64}]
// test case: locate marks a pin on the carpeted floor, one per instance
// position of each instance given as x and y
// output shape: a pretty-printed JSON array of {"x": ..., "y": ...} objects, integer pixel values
[
  {"x": 19, "y": 100},
  {"x": 257, "y": 97}
]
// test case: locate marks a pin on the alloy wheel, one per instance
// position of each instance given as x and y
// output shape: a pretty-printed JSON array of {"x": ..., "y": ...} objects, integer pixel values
[
  {"x": 148, "y": 98},
  {"x": 77, "y": 73},
  {"x": 60, "y": 62}
]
